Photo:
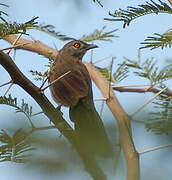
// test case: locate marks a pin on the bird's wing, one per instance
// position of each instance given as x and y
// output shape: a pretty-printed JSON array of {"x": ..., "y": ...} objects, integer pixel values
[{"x": 73, "y": 86}]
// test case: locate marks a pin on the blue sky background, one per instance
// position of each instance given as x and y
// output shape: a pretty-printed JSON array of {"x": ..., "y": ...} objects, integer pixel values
[{"x": 75, "y": 20}]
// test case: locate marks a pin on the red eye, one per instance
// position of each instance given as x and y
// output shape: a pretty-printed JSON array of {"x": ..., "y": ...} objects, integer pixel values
[{"x": 76, "y": 45}]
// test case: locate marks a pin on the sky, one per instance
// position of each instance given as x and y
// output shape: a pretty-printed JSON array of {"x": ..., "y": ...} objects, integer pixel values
[{"x": 76, "y": 20}]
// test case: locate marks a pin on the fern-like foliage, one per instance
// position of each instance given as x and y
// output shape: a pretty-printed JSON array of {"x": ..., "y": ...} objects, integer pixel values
[
  {"x": 96, "y": 35},
  {"x": 134, "y": 12},
  {"x": 99, "y": 35},
  {"x": 50, "y": 29},
  {"x": 161, "y": 120},
  {"x": 150, "y": 71},
  {"x": 152, "y": 42},
  {"x": 15, "y": 28},
  {"x": 120, "y": 73},
  {"x": 14, "y": 148},
  {"x": 105, "y": 72},
  {"x": 2, "y": 13},
  {"x": 24, "y": 107},
  {"x": 39, "y": 76}
]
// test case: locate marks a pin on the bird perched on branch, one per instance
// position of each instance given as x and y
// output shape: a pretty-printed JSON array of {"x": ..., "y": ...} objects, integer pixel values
[{"x": 75, "y": 91}]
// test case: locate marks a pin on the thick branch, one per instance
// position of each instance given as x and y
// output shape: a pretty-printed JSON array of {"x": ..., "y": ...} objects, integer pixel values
[
  {"x": 33, "y": 46},
  {"x": 53, "y": 114},
  {"x": 123, "y": 121}
]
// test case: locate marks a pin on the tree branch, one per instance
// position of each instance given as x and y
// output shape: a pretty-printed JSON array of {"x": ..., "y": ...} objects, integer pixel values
[
  {"x": 122, "y": 118},
  {"x": 142, "y": 90},
  {"x": 33, "y": 46},
  {"x": 123, "y": 121},
  {"x": 52, "y": 113}
]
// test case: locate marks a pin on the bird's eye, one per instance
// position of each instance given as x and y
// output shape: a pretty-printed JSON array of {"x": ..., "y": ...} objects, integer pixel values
[{"x": 77, "y": 45}]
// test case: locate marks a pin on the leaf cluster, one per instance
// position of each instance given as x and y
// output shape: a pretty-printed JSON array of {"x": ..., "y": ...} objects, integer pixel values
[
  {"x": 14, "y": 148},
  {"x": 161, "y": 120},
  {"x": 120, "y": 74},
  {"x": 149, "y": 70},
  {"x": 15, "y": 28},
  {"x": 134, "y": 12},
  {"x": 39, "y": 76},
  {"x": 99, "y": 35},
  {"x": 96, "y": 35},
  {"x": 146, "y": 69},
  {"x": 50, "y": 29},
  {"x": 3, "y": 13},
  {"x": 24, "y": 107},
  {"x": 153, "y": 42}
]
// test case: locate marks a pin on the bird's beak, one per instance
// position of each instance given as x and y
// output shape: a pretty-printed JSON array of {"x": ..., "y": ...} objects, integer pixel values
[{"x": 90, "y": 46}]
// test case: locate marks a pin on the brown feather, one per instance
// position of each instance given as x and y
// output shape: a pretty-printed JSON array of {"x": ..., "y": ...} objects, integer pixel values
[{"x": 75, "y": 90}]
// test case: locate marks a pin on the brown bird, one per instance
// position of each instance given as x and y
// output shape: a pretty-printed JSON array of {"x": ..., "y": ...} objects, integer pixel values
[{"x": 75, "y": 91}]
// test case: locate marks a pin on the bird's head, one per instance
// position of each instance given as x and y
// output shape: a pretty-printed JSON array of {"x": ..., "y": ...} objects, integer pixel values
[{"x": 77, "y": 48}]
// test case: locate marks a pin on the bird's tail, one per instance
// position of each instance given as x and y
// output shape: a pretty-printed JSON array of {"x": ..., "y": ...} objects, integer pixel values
[{"x": 90, "y": 129}]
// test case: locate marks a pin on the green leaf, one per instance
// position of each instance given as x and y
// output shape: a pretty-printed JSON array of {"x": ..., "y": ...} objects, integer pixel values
[
  {"x": 105, "y": 72},
  {"x": 149, "y": 70}
]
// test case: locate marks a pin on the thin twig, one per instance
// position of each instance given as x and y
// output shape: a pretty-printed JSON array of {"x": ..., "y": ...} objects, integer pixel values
[
  {"x": 56, "y": 80},
  {"x": 43, "y": 83},
  {"x": 100, "y": 60},
  {"x": 43, "y": 128},
  {"x": 130, "y": 85},
  {"x": 12, "y": 82},
  {"x": 141, "y": 90},
  {"x": 155, "y": 148},
  {"x": 147, "y": 102},
  {"x": 37, "y": 113},
  {"x": 30, "y": 120}
]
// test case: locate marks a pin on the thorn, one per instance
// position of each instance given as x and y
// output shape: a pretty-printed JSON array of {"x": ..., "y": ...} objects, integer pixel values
[
  {"x": 12, "y": 82},
  {"x": 6, "y": 83},
  {"x": 55, "y": 80},
  {"x": 13, "y": 44},
  {"x": 148, "y": 101},
  {"x": 100, "y": 99},
  {"x": 107, "y": 57},
  {"x": 43, "y": 83}
]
